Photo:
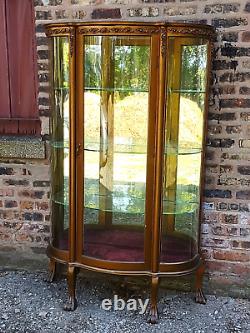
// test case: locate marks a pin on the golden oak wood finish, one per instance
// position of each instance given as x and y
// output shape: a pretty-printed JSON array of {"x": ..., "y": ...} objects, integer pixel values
[{"x": 158, "y": 115}]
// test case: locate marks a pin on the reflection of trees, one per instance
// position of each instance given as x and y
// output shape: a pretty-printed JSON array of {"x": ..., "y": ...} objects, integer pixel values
[
  {"x": 193, "y": 74},
  {"x": 131, "y": 67},
  {"x": 92, "y": 63}
]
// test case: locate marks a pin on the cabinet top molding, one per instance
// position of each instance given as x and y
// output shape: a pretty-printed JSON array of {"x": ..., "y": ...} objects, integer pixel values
[{"x": 144, "y": 28}]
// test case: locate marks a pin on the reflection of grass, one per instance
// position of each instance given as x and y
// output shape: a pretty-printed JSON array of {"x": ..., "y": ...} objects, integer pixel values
[
  {"x": 188, "y": 169},
  {"x": 130, "y": 117},
  {"x": 191, "y": 123},
  {"x": 130, "y": 127},
  {"x": 129, "y": 167}
]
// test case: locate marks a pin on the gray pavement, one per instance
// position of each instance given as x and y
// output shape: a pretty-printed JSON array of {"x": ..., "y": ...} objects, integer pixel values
[{"x": 28, "y": 304}]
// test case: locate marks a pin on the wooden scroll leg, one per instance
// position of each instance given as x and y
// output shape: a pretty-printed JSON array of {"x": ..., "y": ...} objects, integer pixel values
[
  {"x": 199, "y": 296},
  {"x": 71, "y": 305},
  {"x": 153, "y": 312},
  {"x": 52, "y": 271}
]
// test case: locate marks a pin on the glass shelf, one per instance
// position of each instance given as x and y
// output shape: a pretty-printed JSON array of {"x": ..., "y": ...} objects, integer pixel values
[
  {"x": 182, "y": 150},
  {"x": 131, "y": 148},
  {"x": 60, "y": 144},
  {"x": 118, "y": 148},
  {"x": 115, "y": 89},
  {"x": 142, "y": 149},
  {"x": 186, "y": 91},
  {"x": 123, "y": 200},
  {"x": 61, "y": 88}
]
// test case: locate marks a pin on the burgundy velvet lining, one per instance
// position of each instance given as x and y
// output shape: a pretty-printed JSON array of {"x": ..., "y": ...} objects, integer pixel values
[
  {"x": 128, "y": 246},
  {"x": 114, "y": 245}
]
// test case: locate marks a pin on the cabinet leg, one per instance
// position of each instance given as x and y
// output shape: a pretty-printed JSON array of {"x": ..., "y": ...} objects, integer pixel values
[
  {"x": 153, "y": 312},
  {"x": 52, "y": 271},
  {"x": 199, "y": 295},
  {"x": 71, "y": 305}
]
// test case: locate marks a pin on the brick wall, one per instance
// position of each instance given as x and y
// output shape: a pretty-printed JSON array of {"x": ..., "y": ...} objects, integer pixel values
[
  {"x": 226, "y": 224},
  {"x": 24, "y": 204}
]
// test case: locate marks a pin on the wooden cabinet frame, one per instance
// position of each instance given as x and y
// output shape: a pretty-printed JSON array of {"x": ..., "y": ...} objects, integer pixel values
[{"x": 158, "y": 115}]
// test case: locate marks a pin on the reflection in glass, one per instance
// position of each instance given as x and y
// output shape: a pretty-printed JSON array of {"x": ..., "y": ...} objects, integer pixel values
[
  {"x": 60, "y": 144},
  {"x": 193, "y": 71},
  {"x": 115, "y": 146},
  {"x": 183, "y": 148}
]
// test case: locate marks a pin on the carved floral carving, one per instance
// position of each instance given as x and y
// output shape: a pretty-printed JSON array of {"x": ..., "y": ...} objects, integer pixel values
[
  {"x": 59, "y": 31},
  {"x": 192, "y": 31},
  {"x": 100, "y": 30},
  {"x": 163, "y": 42}
]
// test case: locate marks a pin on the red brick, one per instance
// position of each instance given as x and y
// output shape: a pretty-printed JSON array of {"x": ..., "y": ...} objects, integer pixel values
[
  {"x": 244, "y": 90},
  {"x": 222, "y": 8},
  {"x": 16, "y": 182},
  {"x": 244, "y": 195},
  {"x": 6, "y": 192},
  {"x": 5, "y": 237},
  {"x": 42, "y": 205},
  {"x": 9, "y": 214},
  {"x": 228, "y": 267},
  {"x": 206, "y": 253},
  {"x": 31, "y": 194},
  {"x": 235, "y": 103},
  {"x": 245, "y": 36},
  {"x": 214, "y": 129},
  {"x": 214, "y": 242},
  {"x": 227, "y": 90},
  {"x": 24, "y": 237},
  {"x": 245, "y": 116},
  {"x": 229, "y": 218},
  {"x": 234, "y": 129},
  {"x": 227, "y": 23},
  {"x": 225, "y": 231},
  {"x": 6, "y": 171},
  {"x": 231, "y": 255},
  {"x": 10, "y": 203},
  {"x": 226, "y": 168},
  {"x": 106, "y": 13},
  {"x": 26, "y": 204},
  {"x": 246, "y": 245}
]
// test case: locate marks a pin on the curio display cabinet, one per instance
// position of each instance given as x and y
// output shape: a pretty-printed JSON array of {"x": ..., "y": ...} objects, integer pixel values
[{"x": 129, "y": 106}]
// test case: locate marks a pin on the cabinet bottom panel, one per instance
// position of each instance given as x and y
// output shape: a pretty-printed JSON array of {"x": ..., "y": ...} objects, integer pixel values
[{"x": 126, "y": 245}]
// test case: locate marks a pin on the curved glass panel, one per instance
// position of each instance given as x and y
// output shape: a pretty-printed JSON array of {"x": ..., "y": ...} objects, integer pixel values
[
  {"x": 116, "y": 85},
  {"x": 187, "y": 78},
  {"x": 60, "y": 144}
]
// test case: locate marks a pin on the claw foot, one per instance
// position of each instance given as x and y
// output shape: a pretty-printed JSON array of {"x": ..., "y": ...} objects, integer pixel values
[
  {"x": 200, "y": 297},
  {"x": 50, "y": 277},
  {"x": 71, "y": 305},
  {"x": 52, "y": 271},
  {"x": 153, "y": 315}
]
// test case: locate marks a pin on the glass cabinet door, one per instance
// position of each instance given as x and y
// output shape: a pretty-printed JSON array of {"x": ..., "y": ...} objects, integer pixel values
[
  {"x": 116, "y": 106},
  {"x": 60, "y": 144},
  {"x": 186, "y": 85}
]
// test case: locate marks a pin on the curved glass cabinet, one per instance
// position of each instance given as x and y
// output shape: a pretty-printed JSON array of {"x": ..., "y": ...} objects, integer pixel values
[{"x": 127, "y": 149}]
